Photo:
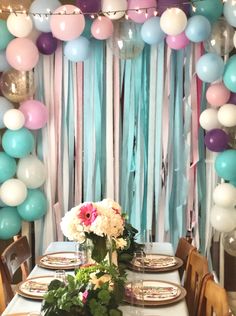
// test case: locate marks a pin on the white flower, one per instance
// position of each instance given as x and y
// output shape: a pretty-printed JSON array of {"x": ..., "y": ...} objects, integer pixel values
[
  {"x": 71, "y": 226},
  {"x": 111, "y": 204},
  {"x": 121, "y": 243}
]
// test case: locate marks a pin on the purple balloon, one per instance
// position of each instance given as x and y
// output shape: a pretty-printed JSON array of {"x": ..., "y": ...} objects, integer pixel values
[
  {"x": 89, "y": 6},
  {"x": 232, "y": 98},
  {"x": 162, "y": 5},
  {"x": 216, "y": 140},
  {"x": 46, "y": 43}
]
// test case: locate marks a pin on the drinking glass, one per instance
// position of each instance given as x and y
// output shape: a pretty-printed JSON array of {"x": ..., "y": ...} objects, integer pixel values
[
  {"x": 60, "y": 275},
  {"x": 136, "y": 307},
  {"x": 81, "y": 253},
  {"x": 146, "y": 239}
]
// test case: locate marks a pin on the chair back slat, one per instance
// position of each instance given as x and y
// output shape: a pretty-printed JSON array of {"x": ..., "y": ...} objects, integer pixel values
[
  {"x": 183, "y": 250},
  {"x": 213, "y": 299},
  {"x": 15, "y": 255},
  {"x": 196, "y": 269}
]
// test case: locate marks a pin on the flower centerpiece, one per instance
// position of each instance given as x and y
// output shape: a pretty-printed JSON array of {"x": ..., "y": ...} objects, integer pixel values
[
  {"x": 95, "y": 290},
  {"x": 102, "y": 223}
]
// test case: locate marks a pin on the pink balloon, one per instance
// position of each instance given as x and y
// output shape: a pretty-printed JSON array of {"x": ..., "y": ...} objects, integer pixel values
[
  {"x": 35, "y": 112},
  {"x": 217, "y": 94},
  {"x": 69, "y": 24},
  {"x": 102, "y": 28},
  {"x": 177, "y": 42},
  {"x": 22, "y": 54},
  {"x": 142, "y": 15}
]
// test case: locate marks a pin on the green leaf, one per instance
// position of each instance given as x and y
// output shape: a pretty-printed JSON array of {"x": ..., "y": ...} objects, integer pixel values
[
  {"x": 99, "y": 251},
  {"x": 55, "y": 284}
]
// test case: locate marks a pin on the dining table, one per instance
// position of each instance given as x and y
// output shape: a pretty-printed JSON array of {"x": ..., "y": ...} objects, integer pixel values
[{"x": 20, "y": 304}]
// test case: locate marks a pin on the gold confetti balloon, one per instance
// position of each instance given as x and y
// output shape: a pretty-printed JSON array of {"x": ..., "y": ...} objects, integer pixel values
[
  {"x": 14, "y": 5},
  {"x": 17, "y": 86}
]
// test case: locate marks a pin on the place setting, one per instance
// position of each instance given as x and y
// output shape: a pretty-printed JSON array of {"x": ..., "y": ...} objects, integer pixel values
[
  {"x": 152, "y": 293},
  {"x": 67, "y": 260},
  {"x": 153, "y": 263},
  {"x": 36, "y": 287}
]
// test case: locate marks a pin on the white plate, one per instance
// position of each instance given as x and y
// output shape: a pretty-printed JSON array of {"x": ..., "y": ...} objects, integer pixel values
[
  {"x": 35, "y": 287},
  {"x": 58, "y": 260}
]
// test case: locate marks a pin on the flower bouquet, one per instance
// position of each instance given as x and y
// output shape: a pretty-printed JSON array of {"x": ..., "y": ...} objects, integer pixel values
[
  {"x": 95, "y": 290},
  {"x": 104, "y": 224}
]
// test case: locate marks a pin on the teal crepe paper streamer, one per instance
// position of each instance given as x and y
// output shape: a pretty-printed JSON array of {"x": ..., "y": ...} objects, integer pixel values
[
  {"x": 171, "y": 183},
  {"x": 159, "y": 126}
]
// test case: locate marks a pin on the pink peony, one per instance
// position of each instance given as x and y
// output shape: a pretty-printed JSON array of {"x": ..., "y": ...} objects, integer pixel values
[{"x": 87, "y": 214}]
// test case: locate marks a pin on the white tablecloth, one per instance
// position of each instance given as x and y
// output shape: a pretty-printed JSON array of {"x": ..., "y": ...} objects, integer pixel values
[{"x": 21, "y": 304}]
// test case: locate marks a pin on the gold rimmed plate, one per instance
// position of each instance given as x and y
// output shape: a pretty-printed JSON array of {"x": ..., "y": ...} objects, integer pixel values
[
  {"x": 58, "y": 260},
  {"x": 153, "y": 263},
  {"x": 153, "y": 293},
  {"x": 34, "y": 287}
]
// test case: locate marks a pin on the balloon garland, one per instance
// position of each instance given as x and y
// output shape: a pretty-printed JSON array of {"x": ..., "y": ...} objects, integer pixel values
[{"x": 69, "y": 24}]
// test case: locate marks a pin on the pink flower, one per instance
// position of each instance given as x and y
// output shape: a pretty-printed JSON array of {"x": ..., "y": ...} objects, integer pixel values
[
  {"x": 84, "y": 296},
  {"x": 87, "y": 214}
]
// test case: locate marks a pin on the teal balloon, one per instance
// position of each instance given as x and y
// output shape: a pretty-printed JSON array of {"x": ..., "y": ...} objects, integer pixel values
[
  {"x": 10, "y": 222},
  {"x": 230, "y": 12},
  {"x": 77, "y": 49},
  {"x": 151, "y": 31},
  {"x": 5, "y": 35},
  {"x": 225, "y": 165},
  {"x": 211, "y": 9},
  {"x": 233, "y": 182},
  {"x": 7, "y": 167},
  {"x": 19, "y": 143},
  {"x": 198, "y": 29},
  {"x": 229, "y": 76},
  {"x": 4, "y": 66},
  {"x": 210, "y": 67},
  {"x": 34, "y": 206}
]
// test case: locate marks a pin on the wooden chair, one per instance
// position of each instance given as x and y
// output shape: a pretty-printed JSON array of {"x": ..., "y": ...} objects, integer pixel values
[
  {"x": 213, "y": 299},
  {"x": 183, "y": 250},
  {"x": 196, "y": 270},
  {"x": 15, "y": 256}
]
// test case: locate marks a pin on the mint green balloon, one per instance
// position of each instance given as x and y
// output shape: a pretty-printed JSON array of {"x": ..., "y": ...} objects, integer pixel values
[
  {"x": 211, "y": 9},
  {"x": 18, "y": 143},
  {"x": 5, "y": 35},
  {"x": 225, "y": 165},
  {"x": 229, "y": 76},
  {"x": 10, "y": 222},
  {"x": 7, "y": 167},
  {"x": 34, "y": 206}
]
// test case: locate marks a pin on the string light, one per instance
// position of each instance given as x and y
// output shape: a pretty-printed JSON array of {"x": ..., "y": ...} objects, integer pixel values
[{"x": 93, "y": 14}]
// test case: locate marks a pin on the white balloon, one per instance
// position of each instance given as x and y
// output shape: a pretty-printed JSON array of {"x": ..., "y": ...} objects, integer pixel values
[
  {"x": 14, "y": 119},
  {"x": 20, "y": 25},
  {"x": 13, "y": 192},
  {"x": 117, "y": 8},
  {"x": 209, "y": 119},
  {"x": 225, "y": 195},
  {"x": 31, "y": 171},
  {"x": 173, "y": 21},
  {"x": 227, "y": 115},
  {"x": 234, "y": 39},
  {"x": 223, "y": 219}
]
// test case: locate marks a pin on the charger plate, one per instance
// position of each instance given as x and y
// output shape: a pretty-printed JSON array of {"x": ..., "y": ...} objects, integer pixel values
[
  {"x": 58, "y": 260},
  {"x": 35, "y": 287},
  {"x": 154, "y": 263},
  {"x": 154, "y": 293}
]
